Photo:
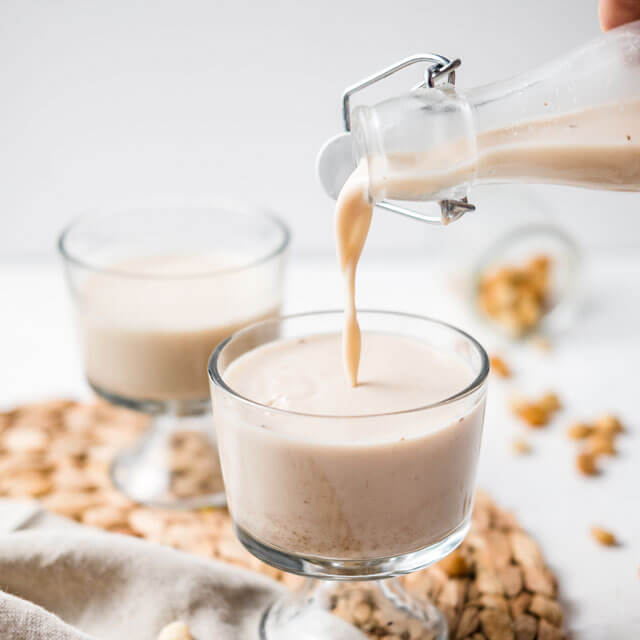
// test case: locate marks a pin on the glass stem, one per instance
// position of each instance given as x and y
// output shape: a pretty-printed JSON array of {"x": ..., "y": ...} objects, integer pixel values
[{"x": 421, "y": 609}]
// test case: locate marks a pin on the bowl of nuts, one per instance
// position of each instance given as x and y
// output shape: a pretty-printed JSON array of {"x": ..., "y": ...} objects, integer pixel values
[{"x": 527, "y": 282}]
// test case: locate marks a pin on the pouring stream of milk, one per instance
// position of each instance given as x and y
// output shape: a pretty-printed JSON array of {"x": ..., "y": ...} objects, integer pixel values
[{"x": 353, "y": 218}]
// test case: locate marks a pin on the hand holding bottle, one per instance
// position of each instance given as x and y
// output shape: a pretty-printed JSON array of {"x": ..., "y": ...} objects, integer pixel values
[{"x": 614, "y": 13}]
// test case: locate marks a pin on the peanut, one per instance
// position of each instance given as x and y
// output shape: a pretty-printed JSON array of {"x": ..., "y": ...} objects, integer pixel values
[
  {"x": 601, "y": 444},
  {"x": 604, "y": 537},
  {"x": 521, "y": 446},
  {"x": 177, "y": 630},
  {"x": 586, "y": 464},
  {"x": 608, "y": 423},
  {"x": 500, "y": 367},
  {"x": 579, "y": 431}
]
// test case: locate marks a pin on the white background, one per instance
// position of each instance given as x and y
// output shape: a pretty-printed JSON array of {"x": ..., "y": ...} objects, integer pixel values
[
  {"x": 117, "y": 102},
  {"x": 112, "y": 103}
]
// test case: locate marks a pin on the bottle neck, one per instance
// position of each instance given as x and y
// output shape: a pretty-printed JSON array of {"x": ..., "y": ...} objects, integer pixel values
[{"x": 420, "y": 146}]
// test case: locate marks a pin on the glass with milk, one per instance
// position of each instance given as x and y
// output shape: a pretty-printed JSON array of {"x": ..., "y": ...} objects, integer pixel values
[
  {"x": 340, "y": 482},
  {"x": 154, "y": 292}
]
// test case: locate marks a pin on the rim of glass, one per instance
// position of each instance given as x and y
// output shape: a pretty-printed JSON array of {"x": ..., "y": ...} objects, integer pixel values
[
  {"x": 238, "y": 208},
  {"x": 478, "y": 381}
]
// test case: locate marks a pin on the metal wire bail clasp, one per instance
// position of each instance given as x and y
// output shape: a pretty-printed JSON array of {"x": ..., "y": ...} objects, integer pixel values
[{"x": 439, "y": 66}]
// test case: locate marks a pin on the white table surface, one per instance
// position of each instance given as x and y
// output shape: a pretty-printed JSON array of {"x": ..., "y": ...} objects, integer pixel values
[{"x": 593, "y": 369}]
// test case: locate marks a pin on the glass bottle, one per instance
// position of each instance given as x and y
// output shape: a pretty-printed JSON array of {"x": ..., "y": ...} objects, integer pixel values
[{"x": 575, "y": 121}]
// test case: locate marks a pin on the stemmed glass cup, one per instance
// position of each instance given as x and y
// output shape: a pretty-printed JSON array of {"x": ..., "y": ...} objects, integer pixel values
[
  {"x": 352, "y": 508},
  {"x": 154, "y": 291}
]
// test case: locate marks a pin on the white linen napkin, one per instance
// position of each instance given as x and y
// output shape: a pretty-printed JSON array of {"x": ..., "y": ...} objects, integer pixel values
[{"x": 64, "y": 581}]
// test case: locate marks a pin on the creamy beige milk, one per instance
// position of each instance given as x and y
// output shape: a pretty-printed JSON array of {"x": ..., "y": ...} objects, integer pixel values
[
  {"x": 348, "y": 487},
  {"x": 149, "y": 325},
  {"x": 352, "y": 222},
  {"x": 597, "y": 147}
]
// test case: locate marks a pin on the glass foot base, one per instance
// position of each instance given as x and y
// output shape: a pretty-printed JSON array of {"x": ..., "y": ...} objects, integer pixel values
[
  {"x": 176, "y": 465},
  {"x": 352, "y": 611}
]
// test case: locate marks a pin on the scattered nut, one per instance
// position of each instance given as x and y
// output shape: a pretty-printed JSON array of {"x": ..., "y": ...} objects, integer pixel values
[
  {"x": 521, "y": 446},
  {"x": 71, "y": 504},
  {"x": 546, "y": 608},
  {"x": 511, "y": 578},
  {"x": 550, "y": 402},
  {"x": 497, "y": 550},
  {"x": 469, "y": 622},
  {"x": 455, "y": 564},
  {"x": 177, "y": 630},
  {"x": 579, "y": 431},
  {"x": 30, "y": 484},
  {"x": 105, "y": 517},
  {"x": 533, "y": 414},
  {"x": 604, "y": 537},
  {"x": 539, "y": 580},
  {"x": 547, "y": 631},
  {"x": 520, "y": 604},
  {"x": 362, "y": 613},
  {"x": 487, "y": 581},
  {"x": 525, "y": 627},
  {"x": 536, "y": 413},
  {"x": 586, "y": 464},
  {"x": 19, "y": 439},
  {"x": 609, "y": 424},
  {"x": 525, "y": 551},
  {"x": 601, "y": 443},
  {"x": 496, "y": 624},
  {"x": 516, "y": 297},
  {"x": 499, "y": 366},
  {"x": 600, "y": 440},
  {"x": 541, "y": 342}
]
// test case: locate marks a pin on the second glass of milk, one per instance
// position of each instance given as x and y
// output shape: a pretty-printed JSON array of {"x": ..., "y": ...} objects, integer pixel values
[{"x": 155, "y": 290}]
